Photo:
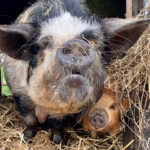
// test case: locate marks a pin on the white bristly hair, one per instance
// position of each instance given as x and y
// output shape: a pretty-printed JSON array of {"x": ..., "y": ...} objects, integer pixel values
[{"x": 66, "y": 27}]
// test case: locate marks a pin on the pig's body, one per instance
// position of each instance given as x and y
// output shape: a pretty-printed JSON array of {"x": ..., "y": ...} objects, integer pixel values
[
  {"x": 20, "y": 87},
  {"x": 36, "y": 96},
  {"x": 55, "y": 57}
]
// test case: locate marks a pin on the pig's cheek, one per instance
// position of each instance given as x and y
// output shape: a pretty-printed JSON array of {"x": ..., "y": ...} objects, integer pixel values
[{"x": 40, "y": 114}]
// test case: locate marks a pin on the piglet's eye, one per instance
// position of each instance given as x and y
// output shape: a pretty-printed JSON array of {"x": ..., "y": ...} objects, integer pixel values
[
  {"x": 45, "y": 42},
  {"x": 112, "y": 107}
]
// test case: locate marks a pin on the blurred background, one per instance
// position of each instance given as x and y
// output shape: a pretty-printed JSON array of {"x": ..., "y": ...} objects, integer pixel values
[
  {"x": 107, "y": 8},
  {"x": 10, "y": 9}
]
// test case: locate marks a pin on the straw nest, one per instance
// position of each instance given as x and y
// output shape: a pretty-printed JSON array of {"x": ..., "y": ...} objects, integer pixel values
[{"x": 131, "y": 78}]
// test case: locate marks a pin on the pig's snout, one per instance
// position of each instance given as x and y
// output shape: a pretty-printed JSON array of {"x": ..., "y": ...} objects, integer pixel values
[
  {"x": 76, "y": 55},
  {"x": 98, "y": 118}
]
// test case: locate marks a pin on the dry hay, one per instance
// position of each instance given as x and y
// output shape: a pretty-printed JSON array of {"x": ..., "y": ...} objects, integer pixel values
[
  {"x": 12, "y": 127},
  {"x": 131, "y": 77}
]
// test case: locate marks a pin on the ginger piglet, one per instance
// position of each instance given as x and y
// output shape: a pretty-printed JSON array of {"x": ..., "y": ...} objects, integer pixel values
[{"x": 104, "y": 116}]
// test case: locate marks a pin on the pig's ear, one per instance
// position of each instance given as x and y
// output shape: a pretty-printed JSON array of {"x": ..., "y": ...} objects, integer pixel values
[
  {"x": 120, "y": 35},
  {"x": 14, "y": 37}
]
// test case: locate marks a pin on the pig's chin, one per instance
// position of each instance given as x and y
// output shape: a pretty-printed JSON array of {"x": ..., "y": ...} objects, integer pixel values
[{"x": 74, "y": 88}]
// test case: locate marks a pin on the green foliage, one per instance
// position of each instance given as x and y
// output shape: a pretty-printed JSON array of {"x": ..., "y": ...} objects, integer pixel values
[{"x": 5, "y": 89}]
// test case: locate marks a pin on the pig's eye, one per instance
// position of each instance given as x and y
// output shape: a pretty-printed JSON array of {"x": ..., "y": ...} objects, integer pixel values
[
  {"x": 46, "y": 42},
  {"x": 112, "y": 107}
]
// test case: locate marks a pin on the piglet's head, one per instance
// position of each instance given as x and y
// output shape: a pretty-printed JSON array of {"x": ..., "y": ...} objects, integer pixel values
[{"x": 104, "y": 116}]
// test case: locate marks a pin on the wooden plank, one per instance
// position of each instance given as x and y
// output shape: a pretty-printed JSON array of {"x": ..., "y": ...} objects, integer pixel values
[
  {"x": 129, "y": 8},
  {"x": 133, "y": 7},
  {"x": 0, "y": 84},
  {"x": 141, "y": 4},
  {"x": 149, "y": 86}
]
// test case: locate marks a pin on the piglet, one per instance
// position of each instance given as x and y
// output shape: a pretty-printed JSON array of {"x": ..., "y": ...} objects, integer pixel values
[{"x": 104, "y": 116}]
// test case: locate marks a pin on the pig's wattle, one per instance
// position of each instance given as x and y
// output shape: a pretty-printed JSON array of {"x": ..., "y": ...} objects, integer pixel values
[{"x": 40, "y": 114}]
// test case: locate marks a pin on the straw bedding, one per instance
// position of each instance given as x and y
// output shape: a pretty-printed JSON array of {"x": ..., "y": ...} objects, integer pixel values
[
  {"x": 12, "y": 127},
  {"x": 131, "y": 78}
]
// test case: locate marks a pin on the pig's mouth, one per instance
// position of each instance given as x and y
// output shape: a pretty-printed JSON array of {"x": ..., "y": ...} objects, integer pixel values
[{"x": 74, "y": 87}]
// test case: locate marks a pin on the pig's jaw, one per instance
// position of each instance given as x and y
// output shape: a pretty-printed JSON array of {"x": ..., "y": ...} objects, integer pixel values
[{"x": 73, "y": 88}]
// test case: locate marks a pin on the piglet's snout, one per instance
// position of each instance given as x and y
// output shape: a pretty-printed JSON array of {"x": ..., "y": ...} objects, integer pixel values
[
  {"x": 98, "y": 118},
  {"x": 76, "y": 55}
]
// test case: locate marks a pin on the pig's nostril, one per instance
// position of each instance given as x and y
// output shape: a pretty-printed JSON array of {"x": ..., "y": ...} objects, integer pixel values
[
  {"x": 66, "y": 51},
  {"x": 98, "y": 121}
]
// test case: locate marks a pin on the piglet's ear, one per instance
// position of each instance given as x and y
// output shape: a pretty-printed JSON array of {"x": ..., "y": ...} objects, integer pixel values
[
  {"x": 14, "y": 37},
  {"x": 120, "y": 35}
]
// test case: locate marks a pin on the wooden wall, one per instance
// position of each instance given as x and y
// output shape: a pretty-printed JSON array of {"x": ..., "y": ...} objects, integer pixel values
[{"x": 133, "y": 7}]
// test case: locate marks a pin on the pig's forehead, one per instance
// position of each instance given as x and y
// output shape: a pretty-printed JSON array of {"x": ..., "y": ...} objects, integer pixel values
[{"x": 66, "y": 27}]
